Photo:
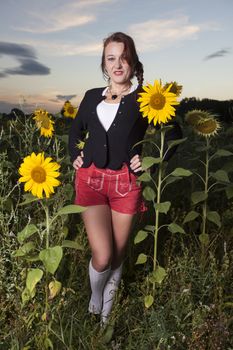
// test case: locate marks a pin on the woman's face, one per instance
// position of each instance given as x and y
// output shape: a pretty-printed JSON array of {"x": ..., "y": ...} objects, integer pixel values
[{"x": 116, "y": 65}]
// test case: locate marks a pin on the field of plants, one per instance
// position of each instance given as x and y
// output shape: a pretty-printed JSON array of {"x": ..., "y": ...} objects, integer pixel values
[{"x": 176, "y": 290}]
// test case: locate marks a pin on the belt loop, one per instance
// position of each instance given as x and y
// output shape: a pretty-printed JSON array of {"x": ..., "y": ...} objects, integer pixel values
[{"x": 129, "y": 175}]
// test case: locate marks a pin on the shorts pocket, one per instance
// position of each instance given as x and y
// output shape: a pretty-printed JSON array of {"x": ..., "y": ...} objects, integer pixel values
[
  {"x": 96, "y": 180},
  {"x": 123, "y": 184}
]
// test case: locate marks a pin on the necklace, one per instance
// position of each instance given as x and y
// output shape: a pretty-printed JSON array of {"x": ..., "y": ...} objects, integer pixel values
[{"x": 114, "y": 96}]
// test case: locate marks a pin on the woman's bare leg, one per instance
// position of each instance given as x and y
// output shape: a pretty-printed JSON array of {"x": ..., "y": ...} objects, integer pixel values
[
  {"x": 121, "y": 225},
  {"x": 98, "y": 223},
  {"x": 97, "y": 220}
]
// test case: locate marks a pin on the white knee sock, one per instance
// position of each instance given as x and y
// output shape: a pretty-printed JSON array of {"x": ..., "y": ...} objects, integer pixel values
[
  {"x": 97, "y": 282},
  {"x": 110, "y": 289}
]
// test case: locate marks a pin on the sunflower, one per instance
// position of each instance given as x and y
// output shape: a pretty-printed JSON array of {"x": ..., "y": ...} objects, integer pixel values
[
  {"x": 195, "y": 116},
  {"x": 204, "y": 123},
  {"x": 175, "y": 88},
  {"x": 39, "y": 174},
  {"x": 156, "y": 103},
  {"x": 69, "y": 110},
  {"x": 44, "y": 123},
  {"x": 208, "y": 127}
]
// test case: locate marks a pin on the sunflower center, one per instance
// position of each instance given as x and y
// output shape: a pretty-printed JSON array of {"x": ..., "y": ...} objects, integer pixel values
[
  {"x": 157, "y": 101},
  {"x": 43, "y": 120},
  {"x": 207, "y": 127},
  {"x": 70, "y": 110},
  {"x": 38, "y": 174}
]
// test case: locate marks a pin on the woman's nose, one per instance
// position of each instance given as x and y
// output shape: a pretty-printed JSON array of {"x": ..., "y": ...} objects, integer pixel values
[{"x": 119, "y": 63}]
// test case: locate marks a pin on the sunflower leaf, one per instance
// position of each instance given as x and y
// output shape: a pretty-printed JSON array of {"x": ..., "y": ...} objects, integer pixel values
[
  {"x": 71, "y": 209},
  {"x": 147, "y": 162},
  {"x": 142, "y": 259},
  {"x": 140, "y": 236},
  {"x": 51, "y": 258},
  {"x": 28, "y": 231},
  {"x": 181, "y": 172}
]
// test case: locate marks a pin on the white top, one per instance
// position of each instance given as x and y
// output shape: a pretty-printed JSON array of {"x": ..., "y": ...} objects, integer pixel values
[{"x": 107, "y": 111}]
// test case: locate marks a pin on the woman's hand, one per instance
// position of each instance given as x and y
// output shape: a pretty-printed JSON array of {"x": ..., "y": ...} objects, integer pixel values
[
  {"x": 78, "y": 162},
  {"x": 136, "y": 164}
]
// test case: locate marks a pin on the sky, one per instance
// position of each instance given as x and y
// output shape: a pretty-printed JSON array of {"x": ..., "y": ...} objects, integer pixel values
[{"x": 50, "y": 51}]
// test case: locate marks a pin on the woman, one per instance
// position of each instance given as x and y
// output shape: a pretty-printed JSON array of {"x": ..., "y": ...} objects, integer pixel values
[{"x": 107, "y": 168}]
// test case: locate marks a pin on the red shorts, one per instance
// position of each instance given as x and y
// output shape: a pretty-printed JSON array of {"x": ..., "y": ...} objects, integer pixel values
[{"x": 116, "y": 188}]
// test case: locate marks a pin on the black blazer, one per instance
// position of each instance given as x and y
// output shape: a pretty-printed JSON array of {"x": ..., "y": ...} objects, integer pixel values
[{"x": 108, "y": 149}]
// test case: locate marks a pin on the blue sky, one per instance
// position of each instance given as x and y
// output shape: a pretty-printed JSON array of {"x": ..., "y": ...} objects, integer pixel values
[{"x": 50, "y": 50}]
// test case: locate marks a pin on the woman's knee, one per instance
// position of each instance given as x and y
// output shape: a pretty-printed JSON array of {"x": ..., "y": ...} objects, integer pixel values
[{"x": 101, "y": 263}]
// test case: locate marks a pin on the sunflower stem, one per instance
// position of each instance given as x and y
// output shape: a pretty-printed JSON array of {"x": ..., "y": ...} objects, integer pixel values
[
  {"x": 159, "y": 183},
  {"x": 204, "y": 207},
  {"x": 46, "y": 209}
]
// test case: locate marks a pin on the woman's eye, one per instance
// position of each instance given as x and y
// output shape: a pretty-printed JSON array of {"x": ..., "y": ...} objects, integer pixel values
[{"x": 111, "y": 59}]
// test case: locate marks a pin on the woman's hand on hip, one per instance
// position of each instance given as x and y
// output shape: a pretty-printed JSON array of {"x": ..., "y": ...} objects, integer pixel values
[
  {"x": 78, "y": 162},
  {"x": 136, "y": 164}
]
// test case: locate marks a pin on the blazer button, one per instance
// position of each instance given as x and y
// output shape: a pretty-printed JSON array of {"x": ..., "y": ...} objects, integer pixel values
[
  {"x": 122, "y": 102},
  {"x": 120, "y": 112},
  {"x": 105, "y": 145}
]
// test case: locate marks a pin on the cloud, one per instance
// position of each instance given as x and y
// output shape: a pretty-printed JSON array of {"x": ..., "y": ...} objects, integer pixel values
[
  {"x": 219, "y": 53},
  {"x": 64, "y": 97},
  {"x": 73, "y": 14},
  {"x": 157, "y": 34},
  {"x": 18, "y": 50},
  {"x": 26, "y": 56}
]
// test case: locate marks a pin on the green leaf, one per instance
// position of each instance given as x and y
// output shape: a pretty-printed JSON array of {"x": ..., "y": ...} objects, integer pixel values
[
  {"x": 141, "y": 235},
  {"x": 48, "y": 344},
  {"x": 229, "y": 192},
  {"x": 162, "y": 207},
  {"x": 26, "y": 295},
  {"x": 214, "y": 217},
  {"x": 198, "y": 197},
  {"x": 171, "y": 179},
  {"x": 142, "y": 259},
  {"x": 147, "y": 162},
  {"x": 181, "y": 172},
  {"x": 204, "y": 239},
  {"x": 222, "y": 153},
  {"x": 145, "y": 177},
  {"x": 148, "y": 301},
  {"x": 192, "y": 215},
  {"x": 71, "y": 244},
  {"x": 24, "y": 250},
  {"x": 175, "y": 142},
  {"x": 149, "y": 228},
  {"x": 158, "y": 275},
  {"x": 149, "y": 193},
  {"x": 28, "y": 231},
  {"x": 202, "y": 149},
  {"x": 174, "y": 228},
  {"x": 33, "y": 277},
  {"x": 71, "y": 209},
  {"x": 221, "y": 175},
  {"x": 28, "y": 198},
  {"x": 51, "y": 258}
]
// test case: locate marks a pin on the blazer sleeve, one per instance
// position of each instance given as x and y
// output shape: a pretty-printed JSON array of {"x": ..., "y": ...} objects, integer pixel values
[{"x": 77, "y": 128}]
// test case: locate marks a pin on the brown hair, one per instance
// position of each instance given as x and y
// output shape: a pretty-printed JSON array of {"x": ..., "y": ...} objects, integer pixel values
[{"x": 130, "y": 55}]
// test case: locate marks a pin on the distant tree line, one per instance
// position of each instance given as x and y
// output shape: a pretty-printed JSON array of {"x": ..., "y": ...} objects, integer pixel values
[{"x": 222, "y": 109}]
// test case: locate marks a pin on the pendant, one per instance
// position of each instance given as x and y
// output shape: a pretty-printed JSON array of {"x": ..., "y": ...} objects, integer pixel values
[{"x": 114, "y": 97}]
